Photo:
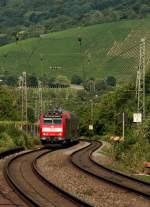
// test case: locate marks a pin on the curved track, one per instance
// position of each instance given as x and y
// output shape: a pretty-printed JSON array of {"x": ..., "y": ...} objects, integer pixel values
[
  {"x": 6, "y": 201},
  {"x": 23, "y": 175},
  {"x": 8, "y": 197},
  {"x": 83, "y": 160},
  {"x": 10, "y": 152}
]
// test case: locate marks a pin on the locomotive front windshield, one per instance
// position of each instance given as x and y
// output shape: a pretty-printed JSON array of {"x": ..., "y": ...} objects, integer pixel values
[
  {"x": 57, "y": 120},
  {"x": 48, "y": 120},
  {"x": 52, "y": 120}
]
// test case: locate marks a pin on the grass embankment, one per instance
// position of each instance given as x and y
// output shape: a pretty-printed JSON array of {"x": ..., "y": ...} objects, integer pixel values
[
  {"x": 128, "y": 157},
  {"x": 99, "y": 44}
]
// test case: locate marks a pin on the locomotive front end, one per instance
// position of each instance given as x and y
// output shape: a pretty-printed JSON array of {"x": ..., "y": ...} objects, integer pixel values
[{"x": 51, "y": 128}]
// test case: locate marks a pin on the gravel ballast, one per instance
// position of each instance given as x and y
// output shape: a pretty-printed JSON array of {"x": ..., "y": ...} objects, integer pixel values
[{"x": 57, "y": 168}]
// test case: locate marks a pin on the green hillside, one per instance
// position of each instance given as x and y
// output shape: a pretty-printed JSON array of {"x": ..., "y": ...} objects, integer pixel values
[
  {"x": 101, "y": 46},
  {"x": 43, "y": 16}
]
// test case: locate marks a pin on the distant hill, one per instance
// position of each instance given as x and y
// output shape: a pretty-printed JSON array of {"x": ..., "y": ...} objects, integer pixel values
[
  {"x": 59, "y": 52},
  {"x": 39, "y": 16}
]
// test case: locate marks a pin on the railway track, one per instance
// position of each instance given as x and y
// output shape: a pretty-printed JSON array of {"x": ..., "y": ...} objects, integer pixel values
[
  {"x": 7, "y": 197},
  {"x": 23, "y": 175},
  {"x": 10, "y": 152},
  {"x": 84, "y": 161}
]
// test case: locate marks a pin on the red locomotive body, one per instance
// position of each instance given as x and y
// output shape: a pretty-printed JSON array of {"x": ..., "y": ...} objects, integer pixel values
[{"x": 58, "y": 127}]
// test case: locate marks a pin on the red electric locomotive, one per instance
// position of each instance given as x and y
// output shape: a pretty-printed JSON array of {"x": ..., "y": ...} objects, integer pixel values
[{"x": 58, "y": 127}]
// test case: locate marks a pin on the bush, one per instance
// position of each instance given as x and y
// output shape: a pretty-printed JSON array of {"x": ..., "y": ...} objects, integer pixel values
[
  {"x": 96, "y": 137},
  {"x": 76, "y": 80},
  {"x": 146, "y": 129},
  {"x": 62, "y": 80},
  {"x": 134, "y": 151},
  {"x": 7, "y": 105},
  {"x": 6, "y": 141},
  {"x": 10, "y": 136},
  {"x": 111, "y": 81}
]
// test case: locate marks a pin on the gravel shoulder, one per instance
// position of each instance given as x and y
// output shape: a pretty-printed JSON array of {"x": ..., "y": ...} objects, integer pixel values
[{"x": 57, "y": 168}]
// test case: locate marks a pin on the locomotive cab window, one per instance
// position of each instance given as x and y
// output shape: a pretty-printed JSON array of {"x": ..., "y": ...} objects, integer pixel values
[
  {"x": 57, "y": 121},
  {"x": 48, "y": 121},
  {"x": 52, "y": 120}
]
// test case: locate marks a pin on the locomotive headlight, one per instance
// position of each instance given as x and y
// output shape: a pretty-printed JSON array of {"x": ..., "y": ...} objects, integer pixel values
[
  {"x": 43, "y": 138},
  {"x": 59, "y": 138}
]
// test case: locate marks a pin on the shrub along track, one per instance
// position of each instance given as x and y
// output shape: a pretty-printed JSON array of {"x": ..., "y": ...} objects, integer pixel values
[
  {"x": 23, "y": 175},
  {"x": 83, "y": 160}
]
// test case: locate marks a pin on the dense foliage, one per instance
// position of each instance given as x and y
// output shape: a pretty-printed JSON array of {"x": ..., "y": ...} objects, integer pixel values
[
  {"x": 11, "y": 136},
  {"x": 8, "y": 109},
  {"x": 100, "y": 108},
  {"x": 51, "y": 15}
]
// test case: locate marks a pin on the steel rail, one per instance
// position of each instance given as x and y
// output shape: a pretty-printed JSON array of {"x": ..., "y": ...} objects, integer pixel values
[
  {"x": 4, "y": 154},
  {"x": 115, "y": 171},
  {"x": 66, "y": 194},
  {"x": 23, "y": 195},
  {"x": 83, "y": 160},
  {"x": 10, "y": 152},
  {"x": 28, "y": 198}
]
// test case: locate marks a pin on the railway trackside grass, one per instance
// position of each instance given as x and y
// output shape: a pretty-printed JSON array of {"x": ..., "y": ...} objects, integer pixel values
[
  {"x": 108, "y": 151},
  {"x": 145, "y": 178}
]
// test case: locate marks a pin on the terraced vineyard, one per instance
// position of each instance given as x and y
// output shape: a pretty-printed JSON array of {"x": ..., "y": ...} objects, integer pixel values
[{"x": 100, "y": 53}]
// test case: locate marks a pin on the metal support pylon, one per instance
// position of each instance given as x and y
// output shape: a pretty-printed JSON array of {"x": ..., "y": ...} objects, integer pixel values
[
  {"x": 40, "y": 97},
  {"x": 24, "y": 106},
  {"x": 140, "y": 82}
]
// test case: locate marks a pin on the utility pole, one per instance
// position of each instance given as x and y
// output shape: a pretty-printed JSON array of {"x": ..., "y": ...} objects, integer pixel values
[
  {"x": 21, "y": 88},
  {"x": 24, "y": 104},
  {"x": 92, "y": 86},
  {"x": 123, "y": 125},
  {"x": 91, "y": 118},
  {"x": 25, "y": 95},
  {"x": 92, "y": 112},
  {"x": 36, "y": 110},
  {"x": 140, "y": 82},
  {"x": 67, "y": 93},
  {"x": 40, "y": 96},
  {"x": 137, "y": 83},
  {"x": 81, "y": 57}
]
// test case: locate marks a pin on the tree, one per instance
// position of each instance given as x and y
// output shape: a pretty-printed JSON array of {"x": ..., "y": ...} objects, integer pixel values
[
  {"x": 10, "y": 80},
  {"x": 82, "y": 95},
  {"x": 62, "y": 80},
  {"x": 51, "y": 82},
  {"x": 147, "y": 83},
  {"x": 89, "y": 85},
  {"x": 76, "y": 79},
  {"x": 111, "y": 81},
  {"x": 3, "y": 3},
  {"x": 31, "y": 117},
  {"x": 7, "y": 105},
  {"x": 4, "y": 39},
  {"x": 32, "y": 81},
  {"x": 100, "y": 85}
]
